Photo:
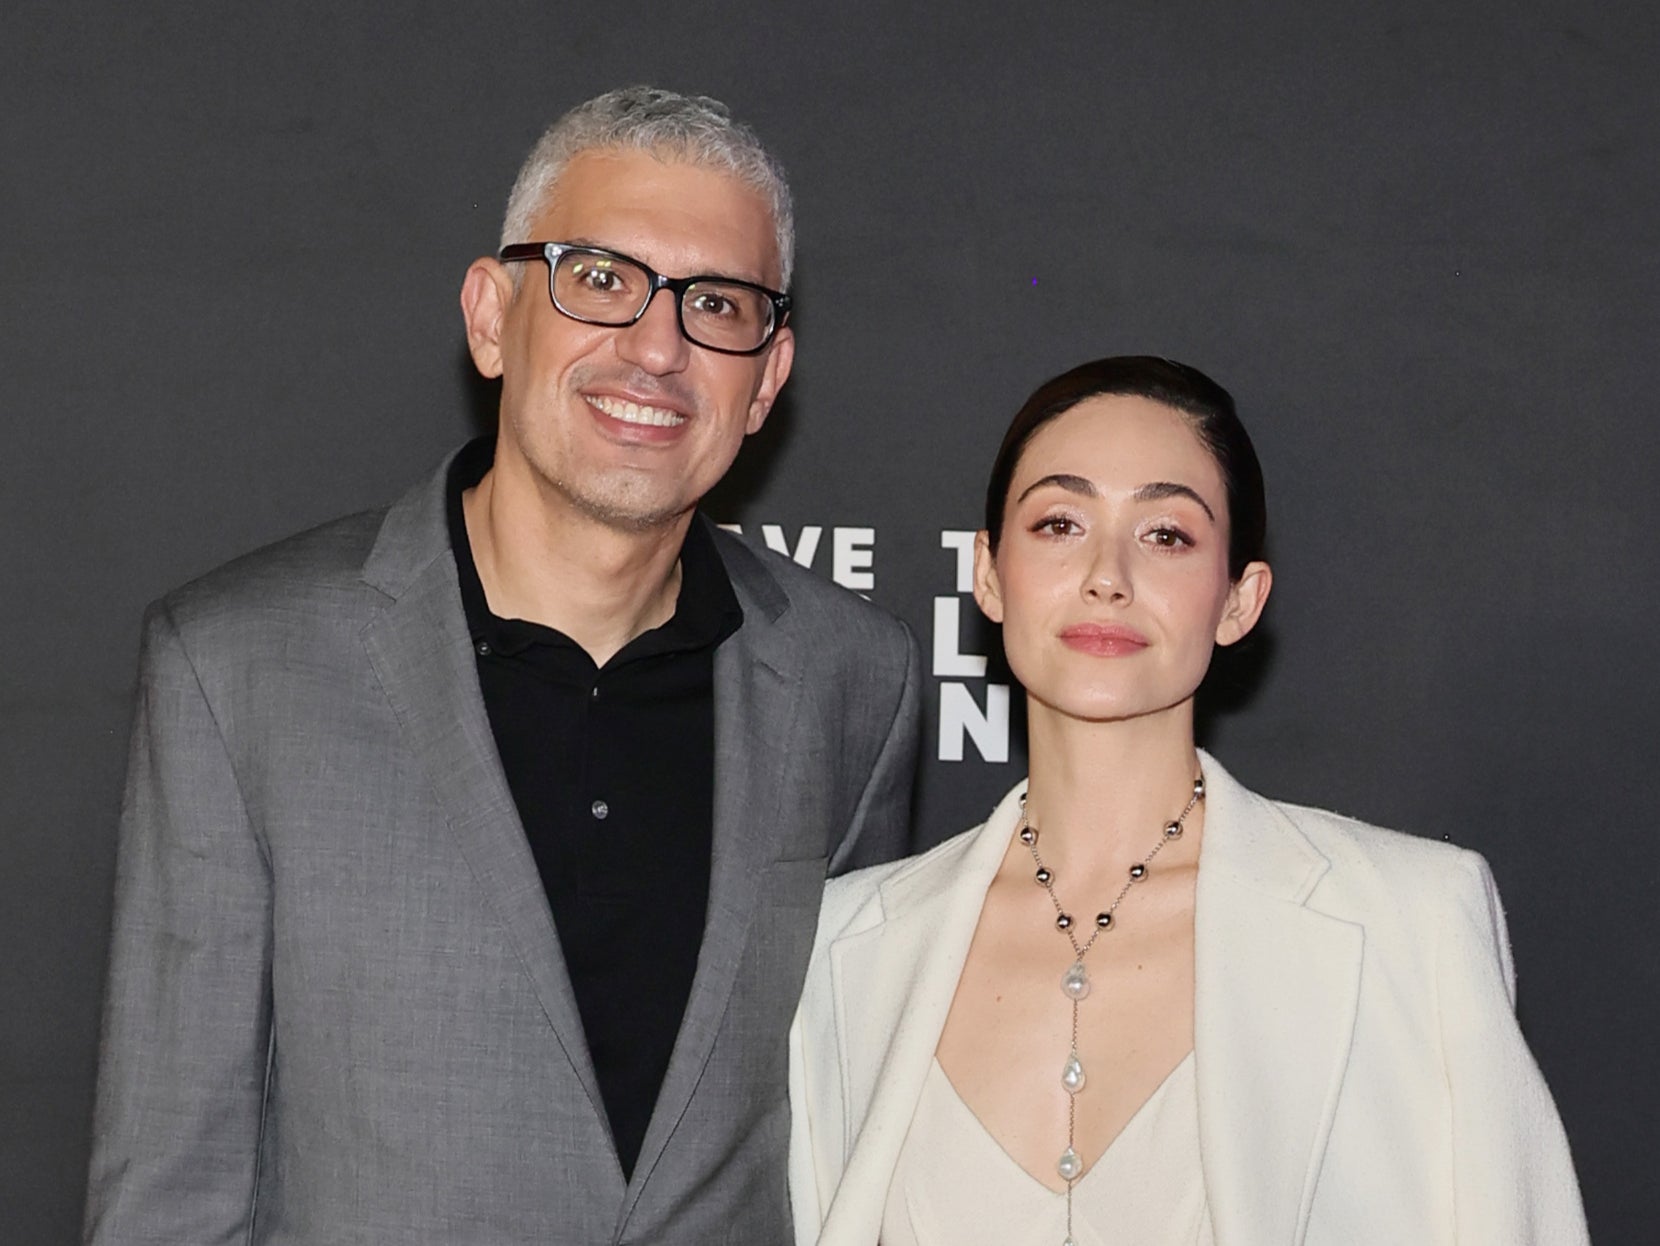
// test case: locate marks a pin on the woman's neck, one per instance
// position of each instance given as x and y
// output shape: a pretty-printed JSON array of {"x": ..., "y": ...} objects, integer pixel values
[{"x": 1099, "y": 792}]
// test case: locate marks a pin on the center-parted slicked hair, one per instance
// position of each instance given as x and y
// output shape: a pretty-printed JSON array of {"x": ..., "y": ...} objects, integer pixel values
[
  {"x": 693, "y": 128},
  {"x": 1208, "y": 409}
]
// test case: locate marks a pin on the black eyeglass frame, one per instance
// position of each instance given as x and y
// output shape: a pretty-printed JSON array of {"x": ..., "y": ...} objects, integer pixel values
[{"x": 551, "y": 251}]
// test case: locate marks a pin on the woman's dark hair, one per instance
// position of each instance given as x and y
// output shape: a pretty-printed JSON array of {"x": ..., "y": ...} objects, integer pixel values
[{"x": 1210, "y": 413}]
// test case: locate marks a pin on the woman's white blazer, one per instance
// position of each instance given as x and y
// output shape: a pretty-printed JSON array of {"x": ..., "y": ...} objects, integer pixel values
[{"x": 1361, "y": 1077}]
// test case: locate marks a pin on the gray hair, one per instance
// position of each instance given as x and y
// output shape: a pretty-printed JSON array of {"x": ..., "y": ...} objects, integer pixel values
[{"x": 695, "y": 128}]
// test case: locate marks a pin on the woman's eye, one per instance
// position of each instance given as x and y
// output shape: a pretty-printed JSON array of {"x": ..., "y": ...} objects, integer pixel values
[
  {"x": 1169, "y": 538},
  {"x": 1056, "y": 525}
]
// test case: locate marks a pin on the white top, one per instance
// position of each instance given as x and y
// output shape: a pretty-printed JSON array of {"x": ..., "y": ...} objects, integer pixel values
[{"x": 954, "y": 1185}]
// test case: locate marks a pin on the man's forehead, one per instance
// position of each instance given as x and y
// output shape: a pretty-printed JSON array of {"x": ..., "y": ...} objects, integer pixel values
[{"x": 674, "y": 213}]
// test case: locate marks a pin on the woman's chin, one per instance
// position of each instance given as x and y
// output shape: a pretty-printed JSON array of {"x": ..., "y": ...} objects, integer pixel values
[{"x": 1108, "y": 707}]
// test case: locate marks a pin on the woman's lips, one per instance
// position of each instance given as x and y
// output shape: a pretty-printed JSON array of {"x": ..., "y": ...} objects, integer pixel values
[{"x": 1104, "y": 640}]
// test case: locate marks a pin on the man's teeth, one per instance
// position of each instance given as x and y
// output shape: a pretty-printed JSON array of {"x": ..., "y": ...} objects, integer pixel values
[{"x": 634, "y": 413}]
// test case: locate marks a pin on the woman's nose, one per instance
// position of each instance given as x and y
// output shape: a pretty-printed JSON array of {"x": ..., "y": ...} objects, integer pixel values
[{"x": 1107, "y": 578}]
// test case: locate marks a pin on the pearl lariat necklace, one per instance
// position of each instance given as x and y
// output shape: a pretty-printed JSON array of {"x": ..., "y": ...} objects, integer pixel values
[{"x": 1075, "y": 981}]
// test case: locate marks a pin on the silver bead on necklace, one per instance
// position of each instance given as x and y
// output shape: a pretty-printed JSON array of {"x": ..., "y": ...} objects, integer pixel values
[{"x": 1075, "y": 981}]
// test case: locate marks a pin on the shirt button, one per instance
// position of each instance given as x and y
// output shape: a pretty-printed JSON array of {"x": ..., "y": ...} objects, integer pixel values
[
  {"x": 483, "y": 648},
  {"x": 600, "y": 809}
]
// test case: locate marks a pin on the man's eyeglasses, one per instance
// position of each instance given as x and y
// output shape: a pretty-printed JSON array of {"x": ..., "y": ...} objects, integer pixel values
[{"x": 603, "y": 287}]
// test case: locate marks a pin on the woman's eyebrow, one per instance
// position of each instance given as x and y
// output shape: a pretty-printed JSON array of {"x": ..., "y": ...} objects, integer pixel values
[
  {"x": 1065, "y": 480},
  {"x": 1161, "y": 489},
  {"x": 1157, "y": 491}
]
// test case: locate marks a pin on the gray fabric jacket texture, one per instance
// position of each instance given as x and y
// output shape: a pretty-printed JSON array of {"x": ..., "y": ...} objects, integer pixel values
[{"x": 336, "y": 1009}]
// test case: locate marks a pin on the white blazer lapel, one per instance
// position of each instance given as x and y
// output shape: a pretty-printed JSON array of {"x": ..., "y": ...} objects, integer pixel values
[
  {"x": 1277, "y": 985},
  {"x": 907, "y": 967}
]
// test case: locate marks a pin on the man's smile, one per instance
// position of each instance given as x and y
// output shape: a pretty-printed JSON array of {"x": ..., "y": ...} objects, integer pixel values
[{"x": 635, "y": 412}]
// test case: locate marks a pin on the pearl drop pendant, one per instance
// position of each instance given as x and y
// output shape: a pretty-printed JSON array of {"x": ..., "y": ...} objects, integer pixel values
[
  {"x": 1070, "y": 1166},
  {"x": 1072, "y": 1076},
  {"x": 1075, "y": 981}
]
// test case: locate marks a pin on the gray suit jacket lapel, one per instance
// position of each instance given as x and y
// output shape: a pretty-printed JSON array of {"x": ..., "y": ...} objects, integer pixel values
[
  {"x": 758, "y": 699},
  {"x": 422, "y": 653}
]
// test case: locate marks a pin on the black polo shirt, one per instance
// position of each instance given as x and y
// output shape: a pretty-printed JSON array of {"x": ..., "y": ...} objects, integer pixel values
[{"x": 612, "y": 769}]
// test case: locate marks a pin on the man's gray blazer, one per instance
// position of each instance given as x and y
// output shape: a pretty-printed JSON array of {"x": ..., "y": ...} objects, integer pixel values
[{"x": 337, "y": 1011}]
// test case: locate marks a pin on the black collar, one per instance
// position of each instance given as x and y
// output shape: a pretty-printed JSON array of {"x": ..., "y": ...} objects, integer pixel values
[{"x": 705, "y": 613}]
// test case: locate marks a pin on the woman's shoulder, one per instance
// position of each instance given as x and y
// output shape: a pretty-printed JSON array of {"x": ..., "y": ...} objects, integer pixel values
[
  {"x": 1347, "y": 840},
  {"x": 1427, "y": 900},
  {"x": 1346, "y": 843},
  {"x": 1428, "y": 889},
  {"x": 1358, "y": 850},
  {"x": 845, "y": 896},
  {"x": 1362, "y": 869},
  {"x": 849, "y": 897}
]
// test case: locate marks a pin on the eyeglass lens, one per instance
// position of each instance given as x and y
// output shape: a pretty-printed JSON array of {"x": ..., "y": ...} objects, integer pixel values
[{"x": 607, "y": 289}]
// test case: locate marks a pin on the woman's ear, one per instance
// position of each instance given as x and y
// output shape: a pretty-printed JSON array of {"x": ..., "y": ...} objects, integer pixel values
[
  {"x": 988, "y": 593},
  {"x": 1246, "y": 598}
]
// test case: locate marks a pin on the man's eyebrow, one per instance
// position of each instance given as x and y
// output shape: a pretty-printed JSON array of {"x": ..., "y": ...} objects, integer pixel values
[
  {"x": 1063, "y": 480},
  {"x": 595, "y": 244},
  {"x": 1161, "y": 489}
]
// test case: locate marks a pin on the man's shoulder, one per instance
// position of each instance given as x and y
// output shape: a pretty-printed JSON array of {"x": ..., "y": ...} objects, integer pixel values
[
  {"x": 779, "y": 585},
  {"x": 337, "y": 570},
  {"x": 297, "y": 605},
  {"x": 321, "y": 564}
]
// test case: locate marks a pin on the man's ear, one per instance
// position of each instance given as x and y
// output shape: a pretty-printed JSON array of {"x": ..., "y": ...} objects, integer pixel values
[
  {"x": 988, "y": 592},
  {"x": 486, "y": 294},
  {"x": 1246, "y": 599},
  {"x": 780, "y": 356}
]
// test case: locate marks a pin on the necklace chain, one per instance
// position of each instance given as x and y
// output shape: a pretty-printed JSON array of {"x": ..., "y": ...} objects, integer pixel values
[{"x": 1075, "y": 984}]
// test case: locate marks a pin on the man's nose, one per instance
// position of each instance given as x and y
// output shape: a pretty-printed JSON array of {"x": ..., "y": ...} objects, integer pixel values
[{"x": 654, "y": 341}]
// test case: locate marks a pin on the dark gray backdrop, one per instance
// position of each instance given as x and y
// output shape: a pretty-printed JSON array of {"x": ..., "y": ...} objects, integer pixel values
[{"x": 1419, "y": 245}]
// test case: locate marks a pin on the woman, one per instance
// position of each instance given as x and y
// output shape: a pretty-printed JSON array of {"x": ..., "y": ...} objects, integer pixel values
[{"x": 1142, "y": 1004}]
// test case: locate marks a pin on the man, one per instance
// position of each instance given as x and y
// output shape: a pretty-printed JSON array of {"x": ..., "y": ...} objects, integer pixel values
[{"x": 472, "y": 849}]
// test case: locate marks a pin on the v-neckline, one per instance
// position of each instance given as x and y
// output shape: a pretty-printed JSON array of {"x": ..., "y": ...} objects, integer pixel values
[{"x": 1134, "y": 1122}]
